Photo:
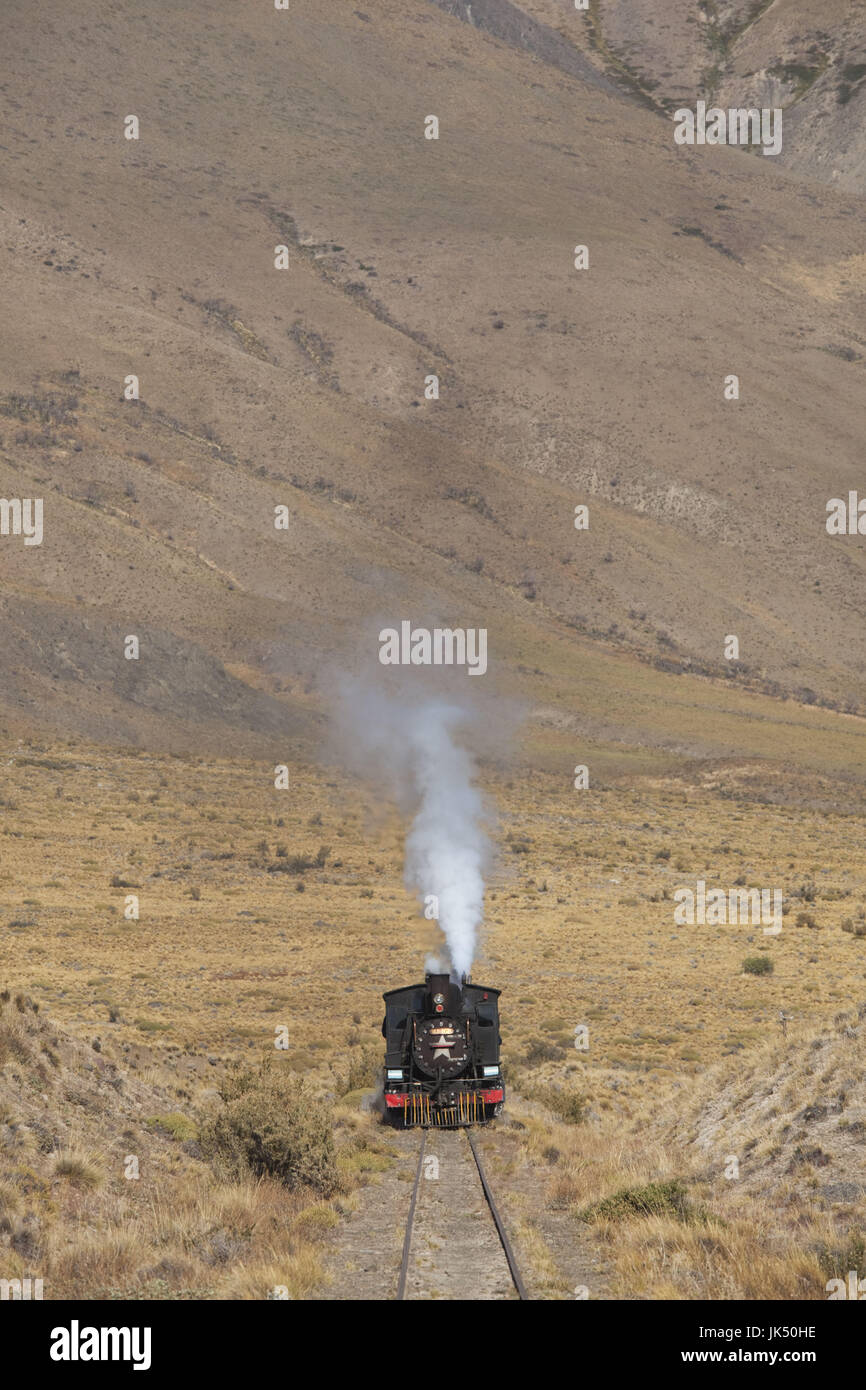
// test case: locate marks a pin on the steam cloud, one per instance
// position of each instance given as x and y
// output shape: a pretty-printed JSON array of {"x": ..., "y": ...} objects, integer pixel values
[
  {"x": 445, "y": 849},
  {"x": 431, "y": 775}
]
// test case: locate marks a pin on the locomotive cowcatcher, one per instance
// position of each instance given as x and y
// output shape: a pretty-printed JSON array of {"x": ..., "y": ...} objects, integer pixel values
[{"x": 442, "y": 1054}]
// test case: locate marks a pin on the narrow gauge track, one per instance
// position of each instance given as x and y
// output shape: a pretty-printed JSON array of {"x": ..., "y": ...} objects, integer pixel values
[{"x": 448, "y": 1259}]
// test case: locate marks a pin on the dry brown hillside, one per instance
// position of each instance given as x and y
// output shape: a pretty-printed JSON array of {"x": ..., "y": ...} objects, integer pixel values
[
  {"x": 747, "y": 1183},
  {"x": 305, "y": 387},
  {"x": 808, "y": 60},
  {"x": 106, "y": 1193}
]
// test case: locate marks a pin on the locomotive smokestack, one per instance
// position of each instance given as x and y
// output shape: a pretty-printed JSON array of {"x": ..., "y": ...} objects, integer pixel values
[{"x": 444, "y": 995}]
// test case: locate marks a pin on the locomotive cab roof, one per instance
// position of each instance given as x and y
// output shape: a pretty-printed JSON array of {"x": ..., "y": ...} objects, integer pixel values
[
  {"x": 438, "y": 995},
  {"x": 471, "y": 992},
  {"x": 439, "y": 1032}
]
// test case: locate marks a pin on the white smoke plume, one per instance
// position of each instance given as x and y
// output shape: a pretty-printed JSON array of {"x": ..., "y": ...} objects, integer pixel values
[
  {"x": 417, "y": 750},
  {"x": 446, "y": 847}
]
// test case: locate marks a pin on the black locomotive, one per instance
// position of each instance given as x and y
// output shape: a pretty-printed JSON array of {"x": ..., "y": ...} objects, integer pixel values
[{"x": 442, "y": 1054}]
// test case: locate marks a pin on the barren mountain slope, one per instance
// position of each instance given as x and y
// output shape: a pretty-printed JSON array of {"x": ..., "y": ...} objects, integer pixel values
[
  {"x": 808, "y": 59},
  {"x": 305, "y": 387}
]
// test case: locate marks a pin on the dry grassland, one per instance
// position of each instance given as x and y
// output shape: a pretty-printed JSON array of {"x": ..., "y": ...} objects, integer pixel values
[{"x": 262, "y": 909}]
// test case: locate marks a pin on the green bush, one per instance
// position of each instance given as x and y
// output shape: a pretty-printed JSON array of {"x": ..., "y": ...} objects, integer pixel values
[
  {"x": 655, "y": 1199},
  {"x": 758, "y": 965},
  {"x": 271, "y": 1125},
  {"x": 179, "y": 1126}
]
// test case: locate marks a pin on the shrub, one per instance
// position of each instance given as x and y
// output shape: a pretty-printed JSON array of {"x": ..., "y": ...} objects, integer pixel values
[
  {"x": 362, "y": 1073},
  {"x": 807, "y": 919},
  {"x": 12, "y": 1046},
  {"x": 290, "y": 864},
  {"x": 758, "y": 965},
  {"x": 271, "y": 1124},
  {"x": 568, "y": 1105},
  {"x": 77, "y": 1169},
  {"x": 655, "y": 1199},
  {"x": 836, "y": 1262},
  {"x": 540, "y": 1050},
  {"x": 179, "y": 1126}
]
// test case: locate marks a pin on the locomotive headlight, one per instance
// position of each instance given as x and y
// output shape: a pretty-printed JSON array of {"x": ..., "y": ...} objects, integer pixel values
[
  {"x": 438, "y": 998},
  {"x": 491, "y": 1071},
  {"x": 394, "y": 1075}
]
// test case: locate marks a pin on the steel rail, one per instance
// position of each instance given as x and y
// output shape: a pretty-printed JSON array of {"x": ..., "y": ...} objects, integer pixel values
[
  {"x": 410, "y": 1220},
  {"x": 494, "y": 1212},
  {"x": 500, "y": 1227}
]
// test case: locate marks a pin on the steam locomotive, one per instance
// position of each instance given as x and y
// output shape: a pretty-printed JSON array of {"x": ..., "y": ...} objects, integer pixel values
[{"x": 442, "y": 1054}]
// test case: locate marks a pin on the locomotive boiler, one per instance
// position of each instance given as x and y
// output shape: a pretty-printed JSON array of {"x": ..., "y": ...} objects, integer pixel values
[{"x": 442, "y": 1054}]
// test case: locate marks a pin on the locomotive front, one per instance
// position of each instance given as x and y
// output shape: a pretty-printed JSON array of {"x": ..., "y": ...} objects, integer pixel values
[{"x": 442, "y": 1053}]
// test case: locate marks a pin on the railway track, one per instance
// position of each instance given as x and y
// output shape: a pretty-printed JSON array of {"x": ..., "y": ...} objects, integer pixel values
[{"x": 445, "y": 1247}]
